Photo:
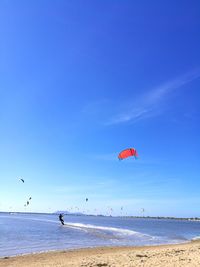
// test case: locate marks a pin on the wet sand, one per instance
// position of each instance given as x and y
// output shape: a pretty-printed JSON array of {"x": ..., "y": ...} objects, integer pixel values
[{"x": 167, "y": 255}]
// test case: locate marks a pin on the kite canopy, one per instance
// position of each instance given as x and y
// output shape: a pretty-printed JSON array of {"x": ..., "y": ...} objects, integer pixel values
[{"x": 128, "y": 153}]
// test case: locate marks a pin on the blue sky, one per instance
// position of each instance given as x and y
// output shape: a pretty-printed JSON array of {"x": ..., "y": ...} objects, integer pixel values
[{"x": 82, "y": 80}]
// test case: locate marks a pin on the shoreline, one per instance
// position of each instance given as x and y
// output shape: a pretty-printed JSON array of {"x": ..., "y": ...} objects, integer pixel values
[
  {"x": 184, "y": 254},
  {"x": 97, "y": 247}
]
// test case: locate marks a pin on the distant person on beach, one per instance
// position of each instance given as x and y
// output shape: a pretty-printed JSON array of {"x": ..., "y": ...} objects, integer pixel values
[{"x": 61, "y": 219}]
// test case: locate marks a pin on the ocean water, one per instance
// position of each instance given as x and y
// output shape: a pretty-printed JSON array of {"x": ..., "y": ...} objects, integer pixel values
[{"x": 30, "y": 233}]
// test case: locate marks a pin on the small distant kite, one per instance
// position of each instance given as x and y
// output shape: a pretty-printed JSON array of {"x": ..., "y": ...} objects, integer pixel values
[
  {"x": 127, "y": 153},
  {"x": 86, "y": 199},
  {"x": 22, "y": 180},
  {"x": 142, "y": 210}
]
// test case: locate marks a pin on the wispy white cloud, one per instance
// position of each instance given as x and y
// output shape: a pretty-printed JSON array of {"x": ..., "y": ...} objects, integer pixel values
[{"x": 151, "y": 103}]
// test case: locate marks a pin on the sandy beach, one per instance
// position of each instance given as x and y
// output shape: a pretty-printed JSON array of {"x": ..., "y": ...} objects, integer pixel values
[{"x": 166, "y": 255}]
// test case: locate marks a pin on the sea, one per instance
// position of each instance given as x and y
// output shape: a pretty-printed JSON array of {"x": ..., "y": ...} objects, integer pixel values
[{"x": 33, "y": 233}]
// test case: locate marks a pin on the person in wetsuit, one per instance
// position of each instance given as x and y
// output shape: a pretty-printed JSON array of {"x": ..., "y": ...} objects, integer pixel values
[{"x": 61, "y": 219}]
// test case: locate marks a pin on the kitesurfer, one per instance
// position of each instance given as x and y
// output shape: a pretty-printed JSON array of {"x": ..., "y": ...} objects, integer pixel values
[{"x": 61, "y": 219}]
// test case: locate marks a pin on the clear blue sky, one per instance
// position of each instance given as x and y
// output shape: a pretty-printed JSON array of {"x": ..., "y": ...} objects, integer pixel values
[{"x": 82, "y": 80}]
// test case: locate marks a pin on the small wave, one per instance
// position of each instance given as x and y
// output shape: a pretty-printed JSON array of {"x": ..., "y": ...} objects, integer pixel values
[
  {"x": 196, "y": 238},
  {"x": 114, "y": 230}
]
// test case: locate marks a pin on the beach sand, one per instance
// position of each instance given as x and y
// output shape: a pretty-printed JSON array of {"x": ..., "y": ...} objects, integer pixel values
[{"x": 167, "y": 255}]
